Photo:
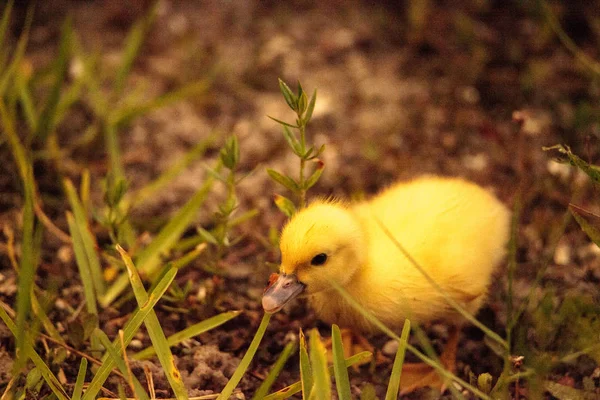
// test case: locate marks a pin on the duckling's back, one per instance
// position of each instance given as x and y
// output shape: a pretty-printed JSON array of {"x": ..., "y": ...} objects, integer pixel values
[{"x": 456, "y": 230}]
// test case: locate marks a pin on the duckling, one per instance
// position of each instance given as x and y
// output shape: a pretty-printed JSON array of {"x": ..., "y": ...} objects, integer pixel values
[{"x": 455, "y": 230}]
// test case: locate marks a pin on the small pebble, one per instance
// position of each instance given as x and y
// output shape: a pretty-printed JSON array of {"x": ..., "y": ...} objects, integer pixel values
[{"x": 390, "y": 348}]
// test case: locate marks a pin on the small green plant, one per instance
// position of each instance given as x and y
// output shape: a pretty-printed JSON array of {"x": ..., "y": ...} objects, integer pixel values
[{"x": 303, "y": 107}]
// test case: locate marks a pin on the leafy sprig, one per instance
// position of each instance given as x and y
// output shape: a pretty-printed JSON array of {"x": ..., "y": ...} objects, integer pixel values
[{"x": 295, "y": 136}]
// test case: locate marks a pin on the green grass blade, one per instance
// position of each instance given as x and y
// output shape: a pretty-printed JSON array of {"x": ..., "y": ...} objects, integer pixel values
[
  {"x": 83, "y": 265},
  {"x": 342, "y": 381},
  {"x": 294, "y": 388},
  {"x": 150, "y": 258},
  {"x": 133, "y": 43},
  {"x": 140, "y": 393},
  {"x": 41, "y": 315},
  {"x": 432, "y": 363},
  {"x": 6, "y": 13},
  {"x": 264, "y": 387},
  {"x": 129, "y": 331},
  {"x": 88, "y": 241},
  {"x": 29, "y": 111},
  {"x": 321, "y": 389},
  {"x": 26, "y": 270},
  {"x": 157, "y": 335},
  {"x": 306, "y": 376},
  {"x": 47, "y": 119},
  {"x": 166, "y": 177},
  {"x": 246, "y": 360},
  {"x": 30, "y": 352},
  {"x": 190, "y": 332},
  {"x": 78, "y": 388},
  {"x": 194, "y": 89},
  {"x": 8, "y": 72},
  {"x": 394, "y": 385}
]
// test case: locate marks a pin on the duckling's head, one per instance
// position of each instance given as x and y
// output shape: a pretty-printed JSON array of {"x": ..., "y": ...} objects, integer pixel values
[{"x": 321, "y": 243}]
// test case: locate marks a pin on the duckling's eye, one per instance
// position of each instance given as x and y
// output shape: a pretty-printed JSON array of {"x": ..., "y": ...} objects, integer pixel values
[{"x": 319, "y": 259}]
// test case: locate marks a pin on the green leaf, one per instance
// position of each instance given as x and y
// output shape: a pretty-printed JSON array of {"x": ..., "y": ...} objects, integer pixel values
[
  {"x": 311, "y": 107},
  {"x": 318, "y": 359},
  {"x": 286, "y": 181},
  {"x": 5, "y": 20},
  {"x": 484, "y": 382},
  {"x": 302, "y": 100},
  {"x": 264, "y": 387},
  {"x": 588, "y": 221},
  {"x": 285, "y": 205},
  {"x": 592, "y": 171},
  {"x": 283, "y": 122},
  {"x": 310, "y": 182},
  {"x": 6, "y": 73},
  {"x": 339, "y": 365},
  {"x": 289, "y": 97},
  {"x": 306, "y": 376},
  {"x": 157, "y": 335},
  {"x": 206, "y": 235},
  {"x": 394, "y": 384},
  {"x": 294, "y": 388},
  {"x": 246, "y": 360},
  {"x": 292, "y": 141},
  {"x": 230, "y": 153}
]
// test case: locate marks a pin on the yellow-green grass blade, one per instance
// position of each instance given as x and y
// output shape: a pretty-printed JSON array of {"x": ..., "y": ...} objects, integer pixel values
[
  {"x": 29, "y": 111},
  {"x": 7, "y": 73},
  {"x": 140, "y": 393},
  {"x": 47, "y": 120},
  {"x": 153, "y": 187},
  {"x": 432, "y": 363},
  {"x": 306, "y": 376},
  {"x": 157, "y": 335},
  {"x": 265, "y": 386},
  {"x": 190, "y": 332},
  {"x": 133, "y": 43},
  {"x": 321, "y": 389},
  {"x": 193, "y": 89},
  {"x": 83, "y": 265},
  {"x": 150, "y": 258},
  {"x": 291, "y": 390},
  {"x": 29, "y": 351},
  {"x": 461, "y": 310},
  {"x": 87, "y": 239},
  {"x": 78, "y": 388},
  {"x": 18, "y": 150},
  {"x": 394, "y": 384},
  {"x": 41, "y": 315},
  {"x": 129, "y": 331},
  {"x": 26, "y": 271},
  {"x": 342, "y": 382},
  {"x": 6, "y": 13},
  {"x": 246, "y": 360}
]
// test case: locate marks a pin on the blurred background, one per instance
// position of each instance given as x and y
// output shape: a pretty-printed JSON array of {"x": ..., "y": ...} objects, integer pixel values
[{"x": 471, "y": 88}]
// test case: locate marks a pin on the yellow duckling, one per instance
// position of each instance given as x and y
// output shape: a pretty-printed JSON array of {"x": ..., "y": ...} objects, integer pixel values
[{"x": 454, "y": 229}]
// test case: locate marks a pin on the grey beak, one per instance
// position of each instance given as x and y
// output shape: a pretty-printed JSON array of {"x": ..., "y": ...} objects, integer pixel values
[{"x": 284, "y": 289}]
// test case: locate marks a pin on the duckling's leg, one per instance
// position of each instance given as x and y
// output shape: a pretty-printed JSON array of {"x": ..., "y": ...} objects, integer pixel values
[{"x": 420, "y": 375}]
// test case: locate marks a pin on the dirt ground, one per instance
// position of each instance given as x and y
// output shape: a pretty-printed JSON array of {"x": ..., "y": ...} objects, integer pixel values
[{"x": 404, "y": 89}]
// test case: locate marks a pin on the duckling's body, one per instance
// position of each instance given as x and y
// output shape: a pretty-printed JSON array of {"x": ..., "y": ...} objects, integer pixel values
[{"x": 454, "y": 229}]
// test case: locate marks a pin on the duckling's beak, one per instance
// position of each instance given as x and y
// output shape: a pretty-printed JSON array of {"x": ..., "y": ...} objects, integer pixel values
[{"x": 284, "y": 289}]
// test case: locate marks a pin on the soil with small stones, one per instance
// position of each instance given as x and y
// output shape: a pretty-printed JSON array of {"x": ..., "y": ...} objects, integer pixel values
[{"x": 404, "y": 89}]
